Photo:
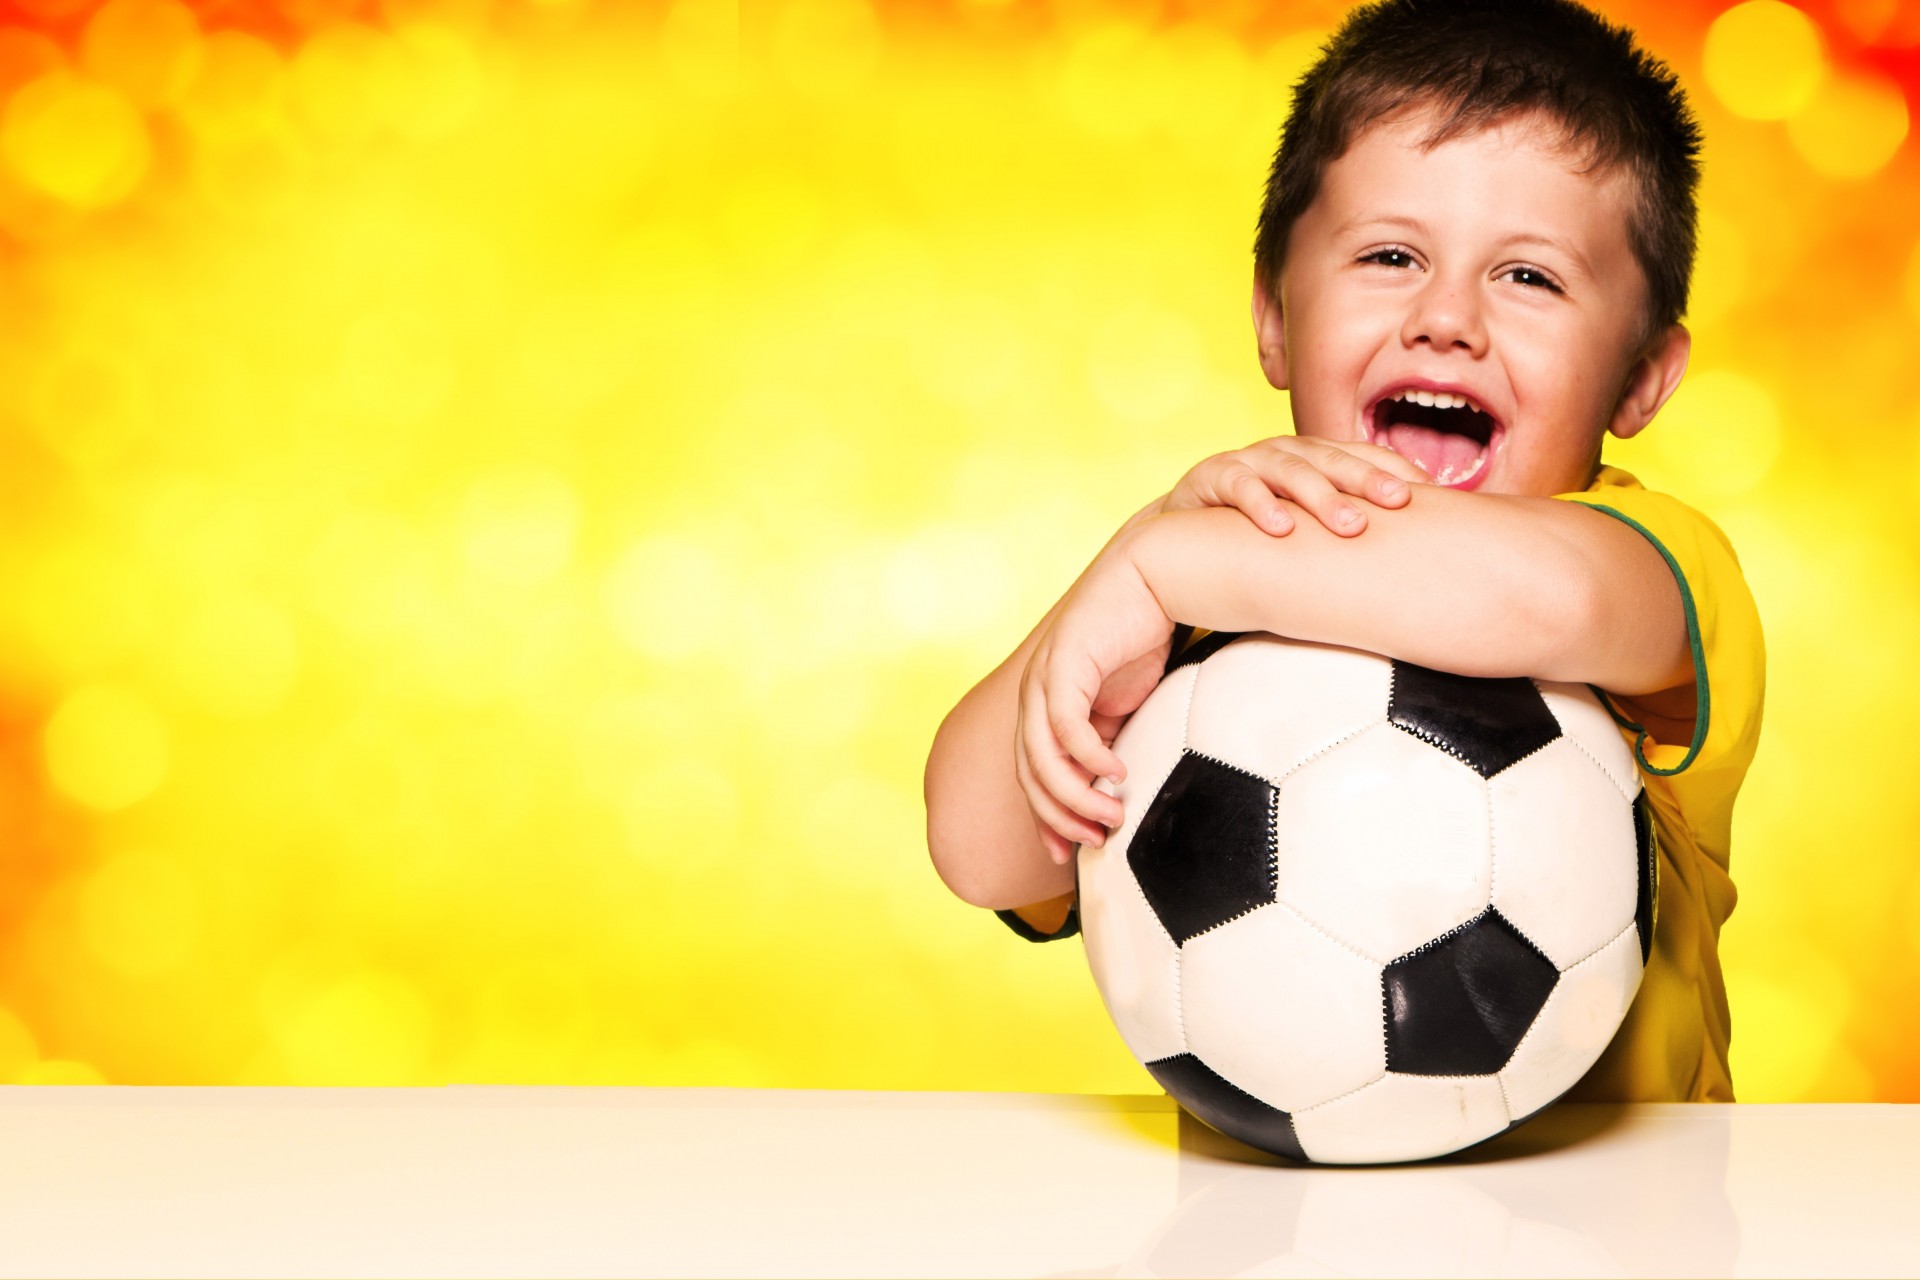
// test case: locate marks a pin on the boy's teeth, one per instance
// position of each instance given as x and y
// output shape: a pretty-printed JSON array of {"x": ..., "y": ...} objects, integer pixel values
[{"x": 1437, "y": 399}]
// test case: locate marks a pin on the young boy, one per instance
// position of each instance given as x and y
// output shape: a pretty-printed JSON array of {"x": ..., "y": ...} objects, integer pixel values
[{"x": 1471, "y": 266}]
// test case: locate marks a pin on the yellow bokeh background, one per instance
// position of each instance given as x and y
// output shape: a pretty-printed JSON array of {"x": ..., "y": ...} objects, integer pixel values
[{"x": 498, "y": 497}]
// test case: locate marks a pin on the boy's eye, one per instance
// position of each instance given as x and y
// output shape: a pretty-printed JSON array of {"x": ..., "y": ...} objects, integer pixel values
[
  {"x": 1389, "y": 257},
  {"x": 1533, "y": 277}
]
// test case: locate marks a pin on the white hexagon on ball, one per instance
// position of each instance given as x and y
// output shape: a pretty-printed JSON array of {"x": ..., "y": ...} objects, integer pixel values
[
  {"x": 1330, "y": 694},
  {"x": 1383, "y": 842},
  {"x": 1281, "y": 1010},
  {"x": 1403, "y": 1118},
  {"x": 1564, "y": 873}
]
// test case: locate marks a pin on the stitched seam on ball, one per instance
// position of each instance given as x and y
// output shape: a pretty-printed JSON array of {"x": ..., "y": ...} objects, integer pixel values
[
  {"x": 1242, "y": 770},
  {"x": 1273, "y": 843},
  {"x": 1186, "y": 712},
  {"x": 1605, "y": 772},
  {"x": 1528, "y": 939},
  {"x": 1179, "y": 1004},
  {"x": 1493, "y": 847},
  {"x": 1314, "y": 925},
  {"x": 1341, "y": 1097},
  {"x": 1448, "y": 936},
  {"x": 1597, "y": 950},
  {"x": 1238, "y": 915},
  {"x": 1461, "y": 756},
  {"x": 1506, "y": 1103},
  {"x": 1311, "y": 756},
  {"x": 1535, "y": 1024}
]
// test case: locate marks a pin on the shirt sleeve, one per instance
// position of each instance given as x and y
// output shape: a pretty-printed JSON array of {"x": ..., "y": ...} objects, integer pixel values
[
  {"x": 1723, "y": 632},
  {"x": 1031, "y": 934}
]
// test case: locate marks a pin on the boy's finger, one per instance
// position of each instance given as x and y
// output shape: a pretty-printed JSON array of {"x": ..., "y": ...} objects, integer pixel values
[
  {"x": 1081, "y": 742},
  {"x": 1252, "y": 495},
  {"x": 1056, "y": 817},
  {"x": 1057, "y": 775},
  {"x": 1313, "y": 489},
  {"x": 1056, "y": 845}
]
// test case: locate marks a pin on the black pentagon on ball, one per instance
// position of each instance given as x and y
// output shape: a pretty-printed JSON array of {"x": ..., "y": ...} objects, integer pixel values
[
  {"x": 1226, "y": 1106},
  {"x": 1649, "y": 854},
  {"x": 1489, "y": 723},
  {"x": 1459, "y": 1005},
  {"x": 1204, "y": 853}
]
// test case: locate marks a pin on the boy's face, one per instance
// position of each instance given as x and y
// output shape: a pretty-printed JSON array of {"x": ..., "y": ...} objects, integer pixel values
[{"x": 1487, "y": 276}]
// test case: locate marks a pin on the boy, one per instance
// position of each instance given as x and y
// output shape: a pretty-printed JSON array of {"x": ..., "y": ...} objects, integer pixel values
[{"x": 1471, "y": 266}]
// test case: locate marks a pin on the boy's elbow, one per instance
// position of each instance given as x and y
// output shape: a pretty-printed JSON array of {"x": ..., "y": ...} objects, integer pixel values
[
  {"x": 948, "y": 842},
  {"x": 957, "y": 862}
]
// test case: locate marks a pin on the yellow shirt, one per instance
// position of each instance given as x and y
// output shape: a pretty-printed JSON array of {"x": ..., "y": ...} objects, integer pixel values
[{"x": 1673, "y": 1045}]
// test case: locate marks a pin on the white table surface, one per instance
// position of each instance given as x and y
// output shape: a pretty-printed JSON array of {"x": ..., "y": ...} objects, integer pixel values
[{"x": 512, "y": 1181}]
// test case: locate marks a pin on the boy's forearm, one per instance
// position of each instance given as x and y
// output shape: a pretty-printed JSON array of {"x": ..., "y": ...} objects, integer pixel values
[
  {"x": 1480, "y": 584},
  {"x": 980, "y": 830}
]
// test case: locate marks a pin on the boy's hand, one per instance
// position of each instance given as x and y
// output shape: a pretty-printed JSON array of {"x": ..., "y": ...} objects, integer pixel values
[
  {"x": 1094, "y": 665},
  {"x": 1312, "y": 472}
]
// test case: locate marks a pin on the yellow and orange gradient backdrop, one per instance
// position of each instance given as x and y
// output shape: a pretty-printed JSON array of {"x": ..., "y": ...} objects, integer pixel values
[{"x": 497, "y": 498}]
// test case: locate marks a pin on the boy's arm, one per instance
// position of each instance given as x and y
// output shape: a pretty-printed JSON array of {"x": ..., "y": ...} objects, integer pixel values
[
  {"x": 1480, "y": 584},
  {"x": 980, "y": 828},
  {"x": 996, "y": 845}
]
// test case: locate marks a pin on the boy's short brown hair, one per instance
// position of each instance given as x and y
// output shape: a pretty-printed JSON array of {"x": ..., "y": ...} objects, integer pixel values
[{"x": 1475, "y": 64}]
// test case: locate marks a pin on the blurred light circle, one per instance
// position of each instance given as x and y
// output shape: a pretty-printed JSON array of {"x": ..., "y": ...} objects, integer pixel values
[
  {"x": 517, "y": 528},
  {"x": 1853, "y": 125},
  {"x": 365, "y": 1027},
  {"x": 1763, "y": 59},
  {"x": 235, "y": 657},
  {"x": 140, "y": 914},
  {"x": 670, "y": 598},
  {"x": 1722, "y": 429},
  {"x": 26, "y": 56},
  {"x": 345, "y": 80},
  {"x": 106, "y": 747},
  {"x": 700, "y": 44},
  {"x": 238, "y": 90},
  {"x": 1097, "y": 82},
  {"x": 440, "y": 83},
  {"x": 1720, "y": 272},
  {"x": 1145, "y": 363},
  {"x": 51, "y": 10},
  {"x": 60, "y": 1071},
  {"x": 18, "y": 1048},
  {"x": 396, "y": 367},
  {"x": 90, "y": 404},
  {"x": 148, "y": 49},
  {"x": 82, "y": 143},
  {"x": 1913, "y": 282},
  {"x": 252, "y": 177},
  {"x": 827, "y": 49}
]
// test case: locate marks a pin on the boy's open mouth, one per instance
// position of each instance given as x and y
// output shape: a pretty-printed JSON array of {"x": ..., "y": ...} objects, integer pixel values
[{"x": 1444, "y": 433}]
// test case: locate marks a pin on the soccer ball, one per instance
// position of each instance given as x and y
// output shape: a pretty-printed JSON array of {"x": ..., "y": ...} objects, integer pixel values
[{"x": 1360, "y": 911}]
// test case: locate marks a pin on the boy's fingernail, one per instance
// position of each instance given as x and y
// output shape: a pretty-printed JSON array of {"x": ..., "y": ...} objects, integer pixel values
[
  {"x": 1394, "y": 487},
  {"x": 1347, "y": 517}
]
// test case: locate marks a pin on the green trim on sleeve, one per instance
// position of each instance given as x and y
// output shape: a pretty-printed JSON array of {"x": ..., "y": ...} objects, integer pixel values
[{"x": 1702, "y": 702}]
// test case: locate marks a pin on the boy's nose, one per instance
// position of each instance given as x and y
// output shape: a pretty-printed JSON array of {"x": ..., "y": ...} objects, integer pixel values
[{"x": 1446, "y": 316}]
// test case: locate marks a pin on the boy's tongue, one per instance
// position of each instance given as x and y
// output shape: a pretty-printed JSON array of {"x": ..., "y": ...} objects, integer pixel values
[{"x": 1444, "y": 455}]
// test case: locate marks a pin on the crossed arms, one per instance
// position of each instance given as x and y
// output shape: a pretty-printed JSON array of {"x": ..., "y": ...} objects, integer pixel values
[{"x": 1480, "y": 584}]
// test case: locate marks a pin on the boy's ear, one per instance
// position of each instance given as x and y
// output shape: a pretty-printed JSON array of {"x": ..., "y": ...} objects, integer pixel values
[
  {"x": 1270, "y": 332},
  {"x": 1651, "y": 380}
]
